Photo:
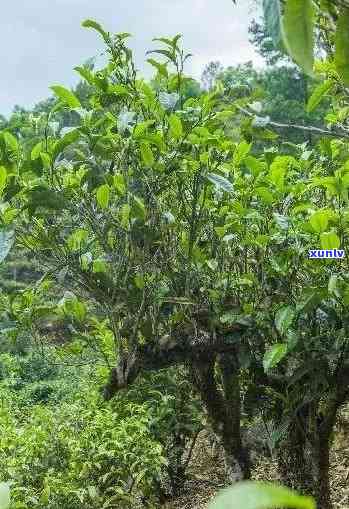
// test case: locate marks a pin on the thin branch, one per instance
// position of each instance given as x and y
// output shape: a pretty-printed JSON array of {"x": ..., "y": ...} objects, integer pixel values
[{"x": 312, "y": 129}]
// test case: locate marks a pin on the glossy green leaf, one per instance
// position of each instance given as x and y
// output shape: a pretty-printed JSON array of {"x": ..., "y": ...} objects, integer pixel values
[
  {"x": 272, "y": 18},
  {"x": 64, "y": 142},
  {"x": 319, "y": 220},
  {"x": 318, "y": 94},
  {"x": 103, "y": 195},
  {"x": 76, "y": 239},
  {"x": 90, "y": 23},
  {"x": 73, "y": 306},
  {"x": 274, "y": 355},
  {"x": 139, "y": 281},
  {"x": 66, "y": 96},
  {"x": 279, "y": 169},
  {"x": 241, "y": 151},
  {"x": 284, "y": 318},
  {"x": 298, "y": 32},
  {"x": 138, "y": 208},
  {"x": 86, "y": 74},
  {"x": 119, "y": 183},
  {"x": 161, "y": 68},
  {"x": 329, "y": 240},
  {"x": 99, "y": 266},
  {"x": 141, "y": 129},
  {"x": 342, "y": 45},
  {"x": 11, "y": 142},
  {"x": 260, "y": 495},
  {"x": 3, "y": 178},
  {"x": 265, "y": 195},
  {"x": 36, "y": 151},
  {"x": 176, "y": 128},
  {"x": 166, "y": 53},
  {"x": 147, "y": 154}
]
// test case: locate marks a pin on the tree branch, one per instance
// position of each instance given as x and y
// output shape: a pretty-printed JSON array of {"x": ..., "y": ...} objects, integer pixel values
[
  {"x": 311, "y": 129},
  {"x": 179, "y": 347}
]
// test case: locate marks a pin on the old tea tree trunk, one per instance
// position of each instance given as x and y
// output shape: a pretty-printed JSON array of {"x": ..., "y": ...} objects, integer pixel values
[
  {"x": 304, "y": 455},
  {"x": 223, "y": 409},
  {"x": 202, "y": 355}
]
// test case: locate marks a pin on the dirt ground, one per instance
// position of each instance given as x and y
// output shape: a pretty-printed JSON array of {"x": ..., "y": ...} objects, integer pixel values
[{"x": 206, "y": 473}]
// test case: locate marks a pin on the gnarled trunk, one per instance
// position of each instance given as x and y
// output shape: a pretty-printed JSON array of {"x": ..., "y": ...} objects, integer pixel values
[
  {"x": 320, "y": 459},
  {"x": 304, "y": 457},
  {"x": 292, "y": 461},
  {"x": 223, "y": 408}
]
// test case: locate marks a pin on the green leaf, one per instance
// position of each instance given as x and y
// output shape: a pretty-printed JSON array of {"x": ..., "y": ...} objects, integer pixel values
[
  {"x": 264, "y": 194},
  {"x": 169, "y": 54},
  {"x": 124, "y": 215},
  {"x": 73, "y": 306},
  {"x": 90, "y": 23},
  {"x": 118, "y": 89},
  {"x": 7, "y": 238},
  {"x": 64, "y": 142},
  {"x": 220, "y": 182},
  {"x": 318, "y": 94},
  {"x": 66, "y": 96},
  {"x": 169, "y": 42},
  {"x": 253, "y": 165},
  {"x": 138, "y": 208},
  {"x": 103, "y": 194},
  {"x": 278, "y": 171},
  {"x": 176, "y": 128},
  {"x": 46, "y": 160},
  {"x": 86, "y": 74},
  {"x": 260, "y": 495},
  {"x": 36, "y": 150},
  {"x": 274, "y": 355},
  {"x": 298, "y": 32},
  {"x": 319, "y": 220},
  {"x": 99, "y": 266},
  {"x": 161, "y": 68},
  {"x": 342, "y": 45},
  {"x": 4, "y": 495},
  {"x": 241, "y": 151},
  {"x": 119, "y": 183},
  {"x": 329, "y": 240},
  {"x": 141, "y": 128},
  {"x": 272, "y": 19},
  {"x": 139, "y": 281},
  {"x": 76, "y": 239},
  {"x": 11, "y": 142},
  {"x": 3, "y": 178},
  {"x": 284, "y": 318},
  {"x": 147, "y": 154}
]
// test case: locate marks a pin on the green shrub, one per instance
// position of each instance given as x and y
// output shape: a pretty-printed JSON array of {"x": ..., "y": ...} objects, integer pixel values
[
  {"x": 37, "y": 366},
  {"x": 176, "y": 419},
  {"x": 79, "y": 454}
]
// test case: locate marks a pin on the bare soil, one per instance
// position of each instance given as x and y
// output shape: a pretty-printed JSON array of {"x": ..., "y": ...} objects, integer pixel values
[{"x": 206, "y": 473}]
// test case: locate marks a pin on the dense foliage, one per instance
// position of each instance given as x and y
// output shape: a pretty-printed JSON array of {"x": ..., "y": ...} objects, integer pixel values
[{"x": 172, "y": 287}]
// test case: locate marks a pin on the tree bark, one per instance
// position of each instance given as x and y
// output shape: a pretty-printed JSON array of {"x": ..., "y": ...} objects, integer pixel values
[
  {"x": 180, "y": 347},
  {"x": 294, "y": 469},
  {"x": 304, "y": 457},
  {"x": 230, "y": 370},
  {"x": 320, "y": 457},
  {"x": 225, "y": 423}
]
